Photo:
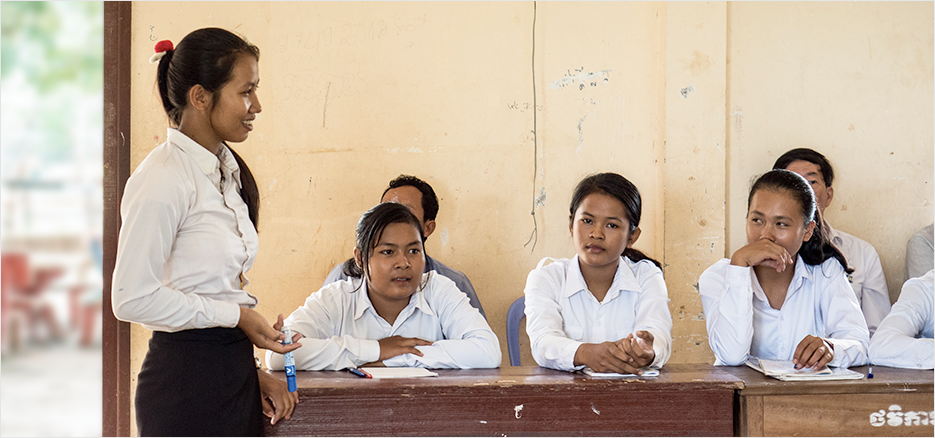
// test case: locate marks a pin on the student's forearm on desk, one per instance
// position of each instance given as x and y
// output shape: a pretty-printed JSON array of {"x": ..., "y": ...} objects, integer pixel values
[
  {"x": 477, "y": 351},
  {"x": 336, "y": 353}
]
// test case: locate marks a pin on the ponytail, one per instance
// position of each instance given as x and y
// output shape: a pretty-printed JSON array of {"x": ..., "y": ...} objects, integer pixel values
[
  {"x": 819, "y": 248},
  {"x": 636, "y": 255},
  {"x": 249, "y": 191},
  {"x": 162, "y": 81}
]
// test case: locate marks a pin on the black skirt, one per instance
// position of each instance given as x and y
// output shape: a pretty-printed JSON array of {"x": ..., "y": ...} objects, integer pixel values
[{"x": 199, "y": 383}]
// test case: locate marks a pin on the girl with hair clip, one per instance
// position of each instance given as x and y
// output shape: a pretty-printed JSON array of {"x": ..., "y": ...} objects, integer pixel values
[
  {"x": 784, "y": 295},
  {"x": 188, "y": 238},
  {"x": 606, "y": 308},
  {"x": 389, "y": 312}
]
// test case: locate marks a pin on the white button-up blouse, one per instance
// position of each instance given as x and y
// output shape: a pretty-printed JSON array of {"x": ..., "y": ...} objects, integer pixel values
[
  {"x": 186, "y": 240},
  {"x": 561, "y": 314},
  {"x": 819, "y": 302}
]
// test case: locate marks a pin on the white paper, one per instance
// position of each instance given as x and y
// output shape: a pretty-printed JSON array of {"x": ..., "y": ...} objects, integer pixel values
[
  {"x": 398, "y": 372},
  {"x": 647, "y": 372}
]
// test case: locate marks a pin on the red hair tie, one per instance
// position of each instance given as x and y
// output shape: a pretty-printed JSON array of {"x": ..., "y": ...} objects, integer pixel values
[{"x": 161, "y": 48}]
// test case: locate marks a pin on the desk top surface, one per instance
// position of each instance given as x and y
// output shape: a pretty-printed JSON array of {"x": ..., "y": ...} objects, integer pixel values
[
  {"x": 885, "y": 380},
  {"x": 685, "y": 376},
  {"x": 688, "y": 376}
]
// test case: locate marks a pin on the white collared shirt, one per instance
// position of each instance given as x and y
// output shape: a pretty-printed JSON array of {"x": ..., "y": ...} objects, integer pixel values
[
  {"x": 342, "y": 329},
  {"x": 867, "y": 280},
  {"x": 819, "y": 302},
  {"x": 904, "y": 338},
  {"x": 184, "y": 244},
  {"x": 562, "y": 314}
]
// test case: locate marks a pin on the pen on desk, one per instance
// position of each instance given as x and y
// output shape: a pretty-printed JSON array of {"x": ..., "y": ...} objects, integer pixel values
[
  {"x": 290, "y": 362},
  {"x": 870, "y": 372},
  {"x": 360, "y": 373}
]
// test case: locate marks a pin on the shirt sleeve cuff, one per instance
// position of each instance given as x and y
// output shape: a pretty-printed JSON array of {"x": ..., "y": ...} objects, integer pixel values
[
  {"x": 227, "y": 314},
  {"x": 568, "y": 356},
  {"x": 370, "y": 351},
  {"x": 738, "y": 275}
]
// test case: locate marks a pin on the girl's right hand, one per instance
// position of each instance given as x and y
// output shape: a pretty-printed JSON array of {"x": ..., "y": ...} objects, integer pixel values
[
  {"x": 763, "y": 252},
  {"x": 606, "y": 357},
  {"x": 396, "y": 345},
  {"x": 262, "y": 335}
]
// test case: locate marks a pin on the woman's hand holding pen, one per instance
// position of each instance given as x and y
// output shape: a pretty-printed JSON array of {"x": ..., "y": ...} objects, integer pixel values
[
  {"x": 396, "y": 345},
  {"x": 606, "y": 357},
  {"x": 813, "y": 352},
  {"x": 278, "y": 402},
  {"x": 763, "y": 252},
  {"x": 262, "y": 334},
  {"x": 639, "y": 348}
]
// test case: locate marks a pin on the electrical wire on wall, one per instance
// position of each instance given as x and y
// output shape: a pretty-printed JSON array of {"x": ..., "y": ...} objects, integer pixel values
[{"x": 534, "y": 236}]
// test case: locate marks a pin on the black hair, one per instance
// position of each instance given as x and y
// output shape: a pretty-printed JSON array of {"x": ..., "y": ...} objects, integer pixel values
[
  {"x": 818, "y": 248},
  {"x": 618, "y": 187},
  {"x": 369, "y": 230},
  {"x": 429, "y": 200},
  {"x": 806, "y": 154},
  {"x": 206, "y": 57}
]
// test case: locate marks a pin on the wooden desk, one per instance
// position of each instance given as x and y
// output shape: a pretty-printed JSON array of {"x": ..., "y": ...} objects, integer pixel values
[
  {"x": 869, "y": 407},
  {"x": 686, "y": 399}
]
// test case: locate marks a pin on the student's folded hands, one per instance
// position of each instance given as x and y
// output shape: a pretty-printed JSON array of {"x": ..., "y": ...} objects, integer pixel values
[
  {"x": 639, "y": 348},
  {"x": 606, "y": 357}
]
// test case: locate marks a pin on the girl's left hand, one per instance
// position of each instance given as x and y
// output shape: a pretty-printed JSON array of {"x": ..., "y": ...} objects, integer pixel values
[
  {"x": 278, "y": 402},
  {"x": 813, "y": 352},
  {"x": 639, "y": 348}
]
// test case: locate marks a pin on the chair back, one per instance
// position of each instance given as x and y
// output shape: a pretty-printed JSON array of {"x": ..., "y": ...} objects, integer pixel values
[{"x": 514, "y": 316}]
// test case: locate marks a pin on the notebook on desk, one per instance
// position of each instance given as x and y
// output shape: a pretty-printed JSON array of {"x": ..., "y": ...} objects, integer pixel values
[{"x": 785, "y": 370}]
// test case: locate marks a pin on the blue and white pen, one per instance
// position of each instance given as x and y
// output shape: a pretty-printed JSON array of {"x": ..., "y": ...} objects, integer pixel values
[{"x": 290, "y": 362}]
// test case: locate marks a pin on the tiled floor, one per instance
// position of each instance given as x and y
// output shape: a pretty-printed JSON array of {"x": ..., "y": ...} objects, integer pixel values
[{"x": 51, "y": 391}]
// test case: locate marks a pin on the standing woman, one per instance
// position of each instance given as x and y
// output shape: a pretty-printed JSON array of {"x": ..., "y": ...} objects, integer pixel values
[{"x": 188, "y": 237}]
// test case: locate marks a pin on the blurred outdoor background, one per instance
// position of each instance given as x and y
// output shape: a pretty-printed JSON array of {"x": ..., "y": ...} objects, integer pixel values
[{"x": 51, "y": 202}]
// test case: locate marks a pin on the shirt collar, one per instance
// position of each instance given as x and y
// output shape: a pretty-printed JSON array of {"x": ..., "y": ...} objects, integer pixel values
[
  {"x": 417, "y": 300},
  {"x": 206, "y": 161},
  {"x": 623, "y": 279},
  {"x": 833, "y": 235}
]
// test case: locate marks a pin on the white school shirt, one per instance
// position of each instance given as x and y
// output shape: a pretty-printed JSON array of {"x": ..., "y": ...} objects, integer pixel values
[
  {"x": 342, "y": 329},
  {"x": 819, "y": 302},
  {"x": 867, "y": 280},
  {"x": 904, "y": 339},
  {"x": 185, "y": 242},
  {"x": 562, "y": 314}
]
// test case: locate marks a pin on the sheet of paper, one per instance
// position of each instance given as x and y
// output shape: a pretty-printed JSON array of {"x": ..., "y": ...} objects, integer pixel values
[
  {"x": 398, "y": 372},
  {"x": 786, "y": 367},
  {"x": 647, "y": 372}
]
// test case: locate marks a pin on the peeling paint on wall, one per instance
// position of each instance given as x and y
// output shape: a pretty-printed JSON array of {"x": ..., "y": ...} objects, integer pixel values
[
  {"x": 687, "y": 90},
  {"x": 580, "y": 132},
  {"x": 582, "y": 79}
]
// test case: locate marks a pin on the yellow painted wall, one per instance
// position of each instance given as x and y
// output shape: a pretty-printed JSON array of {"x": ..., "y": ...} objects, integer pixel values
[{"x": 488, "y": 102}]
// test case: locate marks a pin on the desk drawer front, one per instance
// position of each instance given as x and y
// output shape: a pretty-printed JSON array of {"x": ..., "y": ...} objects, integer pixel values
[{"x": 895, "y": 414}]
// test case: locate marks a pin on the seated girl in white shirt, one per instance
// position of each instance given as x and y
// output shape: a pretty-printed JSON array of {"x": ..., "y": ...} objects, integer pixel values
[
  {"x": 784, "y": 295},
  {"x": 606, "y": 308},
  {"x": 389, "y": 312},
  {"x": 904, "y": 339}
]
